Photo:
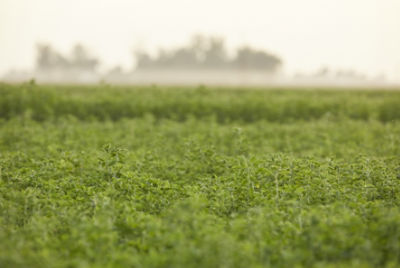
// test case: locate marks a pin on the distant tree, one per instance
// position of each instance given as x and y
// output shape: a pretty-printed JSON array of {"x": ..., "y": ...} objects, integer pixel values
[
  {"x": 47, "y": 58},
  {"x": 179, "y": 58},
  {"x": 81, "y": 59},
  {"x": 208, "y": 53},
  {"x": 248, "y": 58},
  {"x": 198, "y": 45},
  {"x": 216, "y": 56},
  {"x": 143, "y": 60}
]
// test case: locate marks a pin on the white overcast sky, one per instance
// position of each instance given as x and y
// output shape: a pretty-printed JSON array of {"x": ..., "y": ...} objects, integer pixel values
[{"x": 363, "y": 35}]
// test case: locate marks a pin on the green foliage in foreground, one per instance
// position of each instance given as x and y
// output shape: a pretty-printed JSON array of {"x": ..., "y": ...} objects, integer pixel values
[{"x": 198, "y": 186}]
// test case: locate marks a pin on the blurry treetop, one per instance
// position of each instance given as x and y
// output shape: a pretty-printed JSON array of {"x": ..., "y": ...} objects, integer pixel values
[
  {"x": 208, "y": 53},
  {"x": 201, "y": 53},
  {"x": 80, "y": 59}
]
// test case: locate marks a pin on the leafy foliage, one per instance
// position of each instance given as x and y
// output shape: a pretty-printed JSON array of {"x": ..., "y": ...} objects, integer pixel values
[
  {"x": 243, "y": 106},
  {"x": 129, "y": 177}
]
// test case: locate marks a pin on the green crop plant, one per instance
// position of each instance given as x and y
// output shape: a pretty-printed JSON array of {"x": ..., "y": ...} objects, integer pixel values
[{"x": 103, "y": 176}]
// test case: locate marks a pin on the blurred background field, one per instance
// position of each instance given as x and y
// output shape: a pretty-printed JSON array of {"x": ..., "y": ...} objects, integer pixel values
[{"x": 244, "y": 105}]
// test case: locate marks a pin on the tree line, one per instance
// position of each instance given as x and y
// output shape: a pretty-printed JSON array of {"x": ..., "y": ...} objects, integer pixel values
[
  {"x": 201, "y": 53},
  {"x": 209, "y": 53}
]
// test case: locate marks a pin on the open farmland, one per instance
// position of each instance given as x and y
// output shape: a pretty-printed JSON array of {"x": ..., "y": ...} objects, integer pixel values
[{"x": 103, "y": 176}]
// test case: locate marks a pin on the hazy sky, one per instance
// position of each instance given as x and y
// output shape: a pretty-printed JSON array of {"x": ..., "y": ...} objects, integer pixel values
[{"x": 360, "y": 34}]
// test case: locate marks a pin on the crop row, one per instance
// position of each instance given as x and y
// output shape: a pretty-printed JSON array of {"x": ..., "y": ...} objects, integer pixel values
[{"x": 106, "y": 103}]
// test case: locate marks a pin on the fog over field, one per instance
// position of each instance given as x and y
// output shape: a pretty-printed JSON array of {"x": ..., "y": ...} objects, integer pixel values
[{"x": 317, "y": 42}]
